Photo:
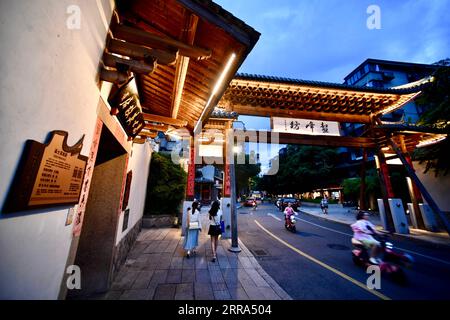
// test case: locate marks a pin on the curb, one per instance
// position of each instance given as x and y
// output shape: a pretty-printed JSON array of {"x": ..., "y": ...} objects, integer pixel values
[
  {"x": 423, "y": 241},
  {"x": 404, "y": 236},
  {"x": 323, "y": 218}
]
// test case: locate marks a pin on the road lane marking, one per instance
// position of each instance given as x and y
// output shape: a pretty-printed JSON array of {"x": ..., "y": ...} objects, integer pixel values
[
  {"x": 326, "y": 266},
  {"x": 317, "y": 225},
  {"x": 406, "y": 250},
  {"x": 274, "y": 216}
]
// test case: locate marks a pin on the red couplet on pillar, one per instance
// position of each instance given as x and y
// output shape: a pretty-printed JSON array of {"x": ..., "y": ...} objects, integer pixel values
[
  {"x": 191, "y": 175},
  {"x": 227, "y": 182}
]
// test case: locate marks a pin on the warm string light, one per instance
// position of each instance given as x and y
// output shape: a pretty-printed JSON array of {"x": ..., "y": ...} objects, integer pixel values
[
  {"x": 216, "y": 88},
  {"x": 429, "y": 142}
]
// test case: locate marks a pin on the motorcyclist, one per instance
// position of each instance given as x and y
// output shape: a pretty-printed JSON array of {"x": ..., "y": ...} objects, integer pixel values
[
  {"x": 363, "y": 230},
  {"x": 288, "y": 212},
  {"x": 255, "y": 204}
]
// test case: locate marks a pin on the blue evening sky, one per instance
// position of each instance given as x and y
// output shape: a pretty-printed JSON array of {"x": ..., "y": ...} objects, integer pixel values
[{"x": 324, "y": 40}]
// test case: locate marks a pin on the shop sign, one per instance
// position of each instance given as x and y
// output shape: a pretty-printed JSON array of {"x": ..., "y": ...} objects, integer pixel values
[{"x": 48, "y": 175}]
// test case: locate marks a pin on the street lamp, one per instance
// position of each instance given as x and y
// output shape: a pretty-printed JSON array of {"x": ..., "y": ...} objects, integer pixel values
[{"x": 234, "y": 232}]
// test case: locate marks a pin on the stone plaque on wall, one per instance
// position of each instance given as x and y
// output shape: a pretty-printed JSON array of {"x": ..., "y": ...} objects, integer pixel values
[{"x": 48, "y": 175}]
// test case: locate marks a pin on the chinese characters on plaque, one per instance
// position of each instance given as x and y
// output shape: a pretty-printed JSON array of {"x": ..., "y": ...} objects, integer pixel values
[
  {"x": 305, "y": 126},
  {"x": 48, "y": 175},
  {"x": 125, "y": 105}
]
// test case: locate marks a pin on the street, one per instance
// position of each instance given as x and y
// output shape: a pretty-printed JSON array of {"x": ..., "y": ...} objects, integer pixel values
[{"x": 315, "y": 262}]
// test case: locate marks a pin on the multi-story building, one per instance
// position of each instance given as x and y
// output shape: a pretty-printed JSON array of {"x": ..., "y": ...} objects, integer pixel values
[
  {"x": 387, "y": 74},
  {"x": 382, "y": 74}
]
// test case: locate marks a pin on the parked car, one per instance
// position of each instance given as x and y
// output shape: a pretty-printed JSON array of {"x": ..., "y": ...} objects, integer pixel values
[
  {"x": 349, "y": 203},
  {"x": 249, "y": 202},
  {"x": 284, "y": 203}
]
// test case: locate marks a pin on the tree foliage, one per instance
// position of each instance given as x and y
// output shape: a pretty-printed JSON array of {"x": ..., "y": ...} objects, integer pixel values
[
  {"x": 166, "y": 186},
  {"x": 301, "y": 169},
  {"x": 351, "y": 186},
  {"x": 436, "y": 100},
  {"x": 246, "y": 174}
]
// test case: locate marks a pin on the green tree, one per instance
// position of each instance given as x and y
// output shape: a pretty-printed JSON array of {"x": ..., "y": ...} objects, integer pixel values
[
  {"x": 304, "y": 168},
  {"x": 166, "y": 186},
  {"x": 351, "y": 186},
  {"x": 245, "y": 174},
  {"x": 436, "y": 100}
]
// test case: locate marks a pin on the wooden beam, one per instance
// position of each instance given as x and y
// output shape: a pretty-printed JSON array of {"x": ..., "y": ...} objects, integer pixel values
[
  {"x": 153, "y": 127},
  {"x": 313, "y": 115},
  {"x": 148, "y": 135},
  {"x": 164, "y": 120},
  {"x": 132, "y": 65},
  {"x": 330, "y": 141},
  {"x": 151, "y": 40},
  {"x": 183, "y": 64},
  {"x": 139, "y": 140},
  {"x": 114, "y": 76},
  {"x": 139, "y": 52}
]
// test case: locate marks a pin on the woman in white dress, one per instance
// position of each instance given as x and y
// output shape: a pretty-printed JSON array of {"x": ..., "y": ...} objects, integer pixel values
[{"x": 193, "y": 228}]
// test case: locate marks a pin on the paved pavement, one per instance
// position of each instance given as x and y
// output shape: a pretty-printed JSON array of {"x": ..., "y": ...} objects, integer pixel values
[
  {"x": 156, "y": 268},
  {"x": 347, "y": 216},
  {"x": 315, "y": 262}
]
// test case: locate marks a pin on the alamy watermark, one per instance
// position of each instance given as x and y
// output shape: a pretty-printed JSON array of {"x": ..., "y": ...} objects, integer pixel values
[
  {"x": 73, "y": 21},
  {"x": 374, "y": 280},
  {"x": 374, "y": 19},
  {"x": 74, "y": 279},
  {"x": 213, "y": 146}
]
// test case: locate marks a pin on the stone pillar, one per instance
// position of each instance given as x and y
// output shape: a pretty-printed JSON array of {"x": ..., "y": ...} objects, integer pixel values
[
  {"x": 386, "y": 188},
  {"x": 414, "y": 192}
]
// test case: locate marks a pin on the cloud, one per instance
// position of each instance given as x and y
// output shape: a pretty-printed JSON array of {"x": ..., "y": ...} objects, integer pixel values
[{"x": 324, "y": 40}]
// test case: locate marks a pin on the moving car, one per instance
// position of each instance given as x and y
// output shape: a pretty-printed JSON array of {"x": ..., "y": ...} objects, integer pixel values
[
  {"x": 249, "y": 202},
  {"x": 284, "y": 203}
]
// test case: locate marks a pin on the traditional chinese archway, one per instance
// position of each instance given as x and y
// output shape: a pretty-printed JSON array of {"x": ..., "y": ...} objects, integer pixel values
[{"x": 319, "y": 102}]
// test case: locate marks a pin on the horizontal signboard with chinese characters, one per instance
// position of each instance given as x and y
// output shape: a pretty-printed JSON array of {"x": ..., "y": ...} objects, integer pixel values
[{"x": 306, "y": 126}]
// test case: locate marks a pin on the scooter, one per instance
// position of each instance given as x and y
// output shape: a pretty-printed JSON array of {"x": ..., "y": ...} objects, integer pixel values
[
  {"x": 391, "y": 261},
  {"x": 289, "y": 223}
]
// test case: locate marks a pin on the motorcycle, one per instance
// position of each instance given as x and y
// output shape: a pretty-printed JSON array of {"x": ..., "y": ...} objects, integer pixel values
[
  {"x": 289, "y": 223},
  {"x": 391, "y": 261}
]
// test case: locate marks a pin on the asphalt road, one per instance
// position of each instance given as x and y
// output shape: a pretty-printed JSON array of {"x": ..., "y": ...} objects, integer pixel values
[{"x": 315, "y": 262}]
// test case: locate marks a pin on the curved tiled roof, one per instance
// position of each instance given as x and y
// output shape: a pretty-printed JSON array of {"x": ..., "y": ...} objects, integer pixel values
[
  {"x": 222, "y": 113},
  {"x": 312, "y": 83}
]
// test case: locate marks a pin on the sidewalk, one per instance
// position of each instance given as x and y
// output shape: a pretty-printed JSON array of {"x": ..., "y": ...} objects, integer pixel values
[
  {"x": 347, "y": 216},
  {"x": 157, "y": 269}
]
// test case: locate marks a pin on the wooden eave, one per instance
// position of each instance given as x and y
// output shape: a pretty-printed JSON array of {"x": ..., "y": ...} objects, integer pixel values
[
  {"x": 182, "y": 89},
  {"x": 311, "y": 100}
]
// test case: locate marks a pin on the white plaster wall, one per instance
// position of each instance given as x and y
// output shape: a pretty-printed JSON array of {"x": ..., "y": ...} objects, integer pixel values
[
  {"x": 139, "y": 163},
  {"x": 48, "y": 82},
  {"x": 438, "y": 187}
]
